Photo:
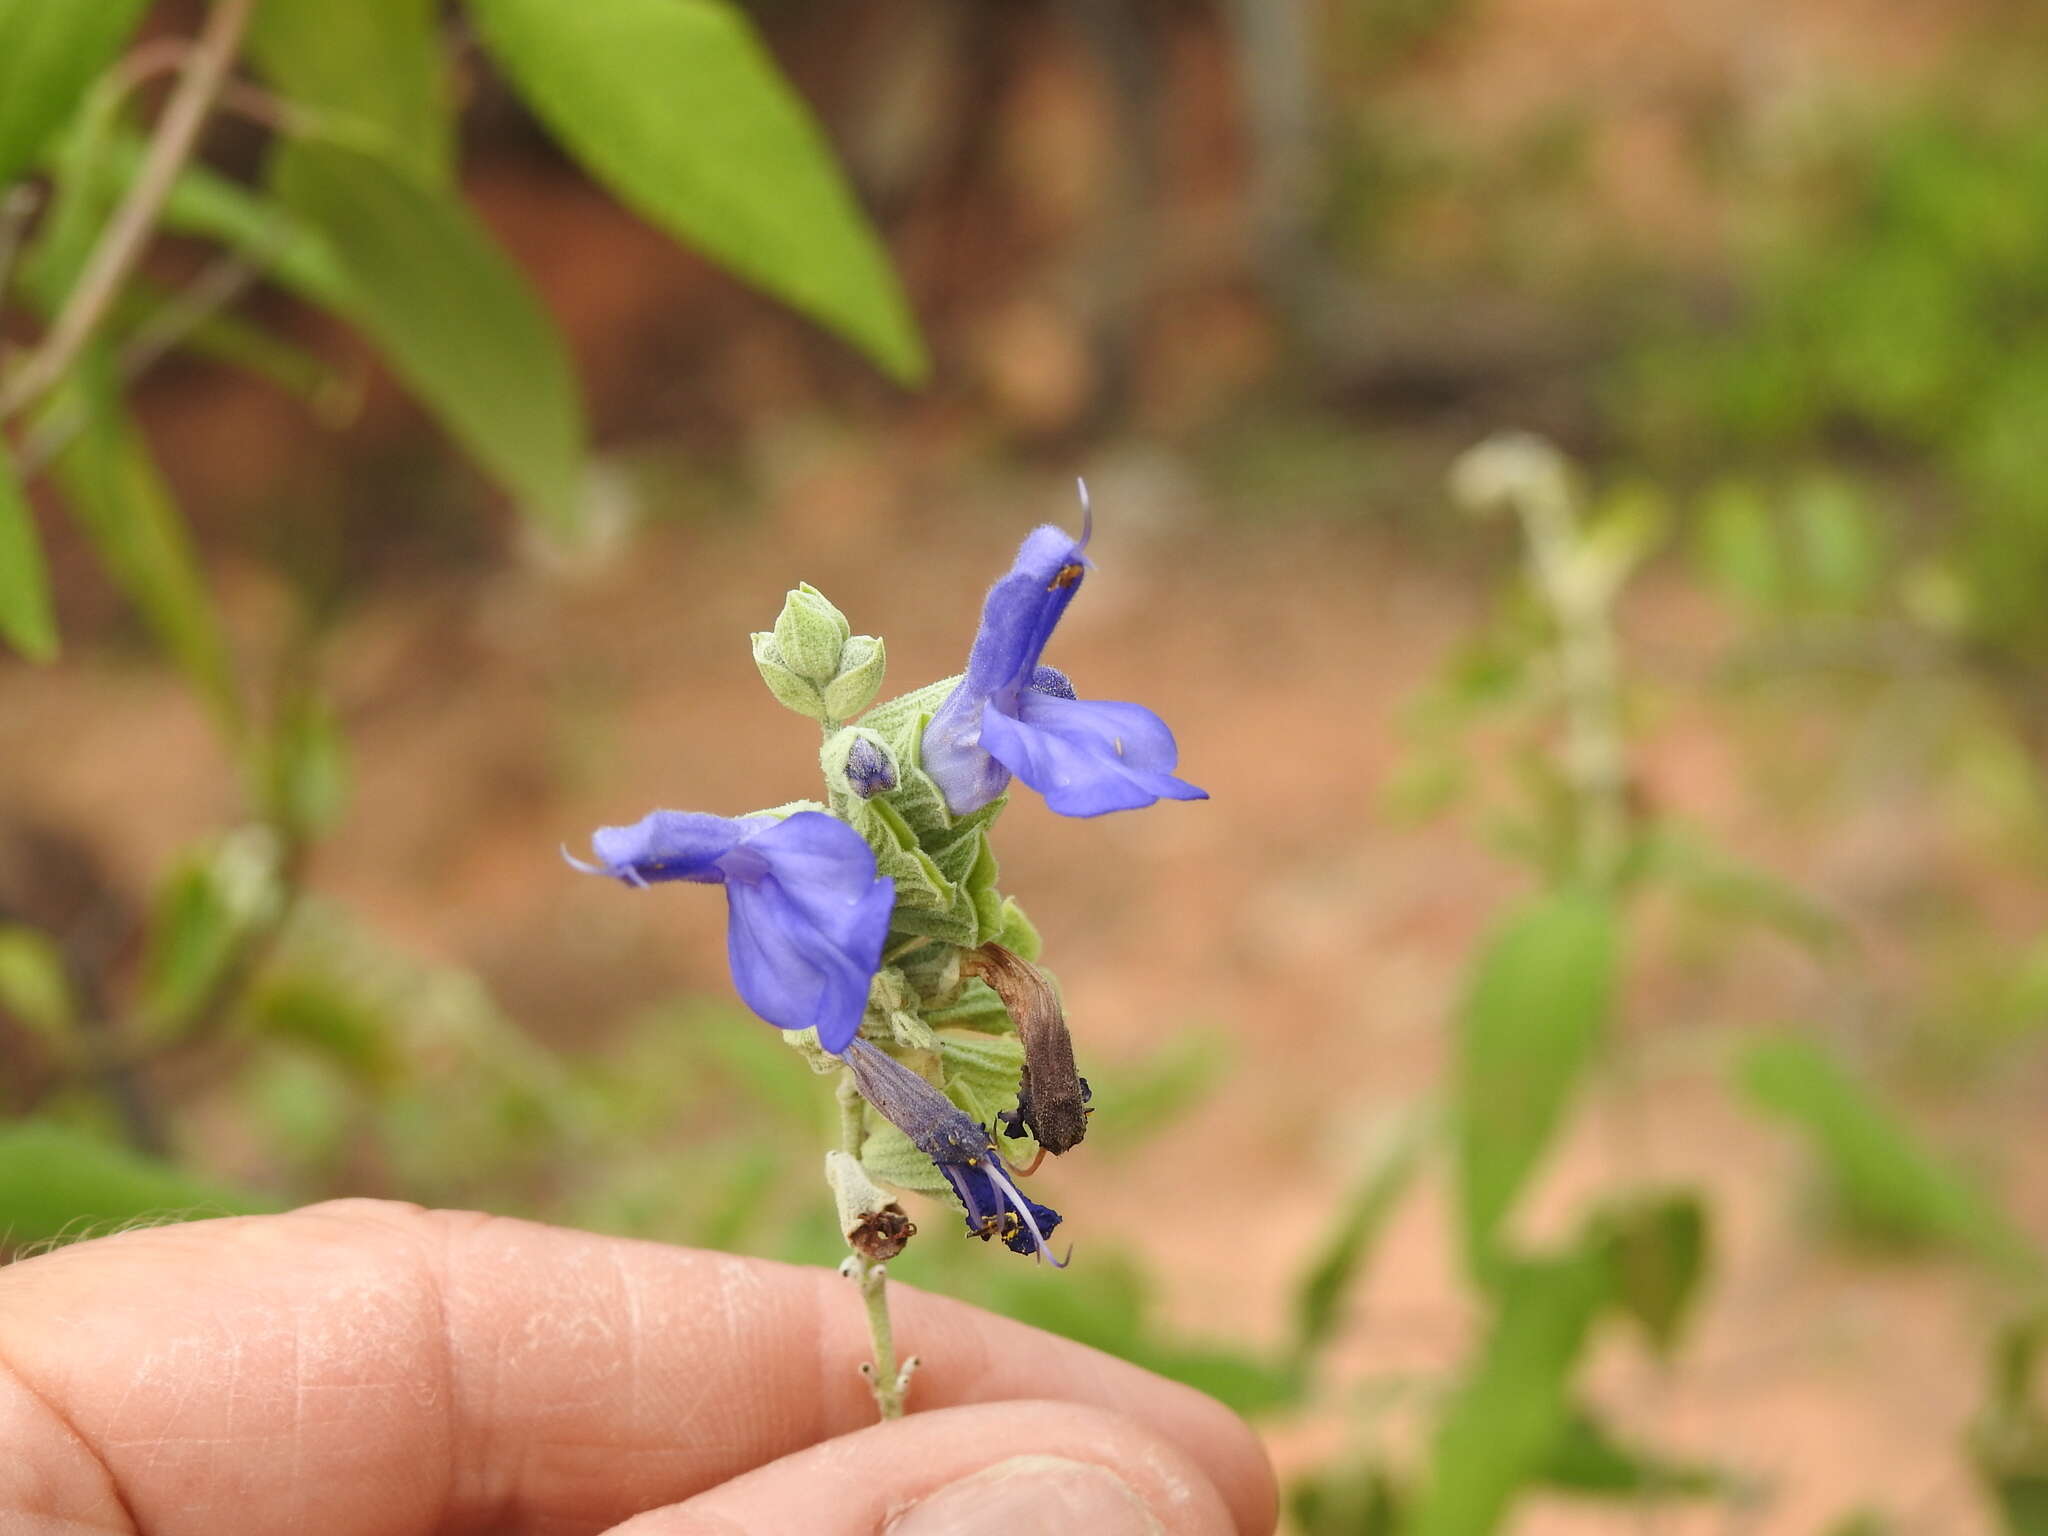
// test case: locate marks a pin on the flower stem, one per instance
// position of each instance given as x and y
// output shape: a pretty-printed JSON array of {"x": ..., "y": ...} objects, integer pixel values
[{"x": 889, "y": 1382}]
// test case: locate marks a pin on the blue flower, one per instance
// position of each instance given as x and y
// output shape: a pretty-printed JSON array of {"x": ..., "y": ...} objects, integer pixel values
[
  {"x": 962, "y": 1151},
  {"x": 1010, "y": 715},
  {"x": 808, "y": 915}
]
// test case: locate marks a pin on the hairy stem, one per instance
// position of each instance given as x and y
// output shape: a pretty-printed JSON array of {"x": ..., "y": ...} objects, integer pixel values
[
  {"x": 889, "y": 1382},
  {"x": 128, "y": 231},
  {"x": 1595, "y": 753}
]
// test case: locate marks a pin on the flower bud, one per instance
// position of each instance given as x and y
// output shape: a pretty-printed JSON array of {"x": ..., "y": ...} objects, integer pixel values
[
  {"x": 809, "y": 634},
  {"x": 873, "y": 1223},
  {"x": 790, "y": 690},
  {"x": 862, "y": 661},
  {"x": 870, "y": 770}
]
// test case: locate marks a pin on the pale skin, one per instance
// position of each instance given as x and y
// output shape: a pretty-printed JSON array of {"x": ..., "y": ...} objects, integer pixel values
[{"x": 370, "y": 1369}]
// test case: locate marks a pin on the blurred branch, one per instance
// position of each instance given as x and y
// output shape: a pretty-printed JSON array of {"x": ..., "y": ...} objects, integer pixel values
[
  {"x": 128, "y": 231},
  {"x": 213, "y": 291}
]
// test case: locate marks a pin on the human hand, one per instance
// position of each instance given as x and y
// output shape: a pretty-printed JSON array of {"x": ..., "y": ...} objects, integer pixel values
[{"x": 363, "y": 1367}]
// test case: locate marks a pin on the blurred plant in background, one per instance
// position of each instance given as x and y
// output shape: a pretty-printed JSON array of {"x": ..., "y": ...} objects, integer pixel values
[
  {"x": 1298, "y": 258},
  {"x": 355, "y": 210}
]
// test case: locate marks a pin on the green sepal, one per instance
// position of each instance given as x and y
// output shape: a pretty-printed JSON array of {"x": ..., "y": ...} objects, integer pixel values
[
  {"x": 791, "y": 691},
  {"x": 977, "y": 1008},
  {"x": 902, "y": 718},
  {"x": 890, "y": 1159},
  {"x": 919, "y": 885},
  {"x": 862, "y": 661},
  {"x": 958, "y": 850},
  {"x": 917, "y": 797},
  {"x": 810, "y": 634},
  {"x": 982, "y": 1073},
  {"x": 1016, "y": 933},
  {"x": 957, "y": 924}
]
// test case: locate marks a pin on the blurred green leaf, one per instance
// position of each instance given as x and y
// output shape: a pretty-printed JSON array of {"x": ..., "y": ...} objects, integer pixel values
[
  {"x": 58, "y": 1181},
  {"x": 192, "y": 933},
  {"x": 53, "y": 52},
  {"x": 1137, "y": 1100},
  {"x": 679, "y": 109},
  {"x": 375, "y": 69},
  {"x": 1724, "y": 886},
  {"x": 1838, "y": 544},
  {"x": 322, "y": 1014},
  {"x": 1861, "y": 1522},
  {"x": 452, "y": 314},
  {"x": 307, "y": 777},
  {"x": 35, "y": 988},
  {"x": 1738, "y": 548},
  {"x": 1356, "y": 1501},
  {"x": 1389, "y": 1170},
  {"x": 1588, "y": 1459},
  {"x": 1890, "y": 1185},
  {"x": 1655, "y": 1246},
  {"x": 2009, "y": 1437},
  {"x": 25, "y": 619},
  {"x": 1536, "y": 1005},
  {"x": 1509, "y": 1416},
  {"x": 115, "y": 492},
  {"x": 207, "y": 205}
]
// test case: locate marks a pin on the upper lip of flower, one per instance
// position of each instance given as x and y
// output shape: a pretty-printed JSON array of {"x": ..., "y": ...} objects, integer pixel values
[
  {"x": 808, "y": 914},
  {"x": 1085, "y": 756}
]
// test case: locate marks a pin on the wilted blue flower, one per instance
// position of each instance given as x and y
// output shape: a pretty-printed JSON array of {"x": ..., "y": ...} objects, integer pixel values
[
  {"x": 962, "y": 1151},
  {"x": 807, "y": 913},
  {"x": 1009, "y": 715}
]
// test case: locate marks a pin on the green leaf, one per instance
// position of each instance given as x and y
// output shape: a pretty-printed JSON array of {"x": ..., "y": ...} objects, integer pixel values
[
  {"x": 1588, "y": 1459},
  {"x": 1890, "y": 1185},
  {"x": 1537, "y": 1003},
  {"x": 322, "y": 1014},
  {"x": 1513, "y": 1410},
  {"x": 1655, "y": 1245},
  {"x": 1348, "y": 1501},
  {"x": 1738, "y": 547},
  {"x": 452, "y": 314},
  {"x": 58, "y": 1181},
  {"x": 35, "y": 988},
  {"x": 25, "y": 620},
  {"x": 1507, "y": 1418},
  {"x": 1389, "y": 1170},
  {"x": 52, "y": 53},
  {"x": 2009, "y": 1438},
  {"x": 209, "y": 206},
  {"x": 375, "y": 71},
  {"x": 115, "y": 493},
  {"x": 679, "y": 109}
]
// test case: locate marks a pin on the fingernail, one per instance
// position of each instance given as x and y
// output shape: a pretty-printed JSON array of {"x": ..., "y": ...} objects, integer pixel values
[{"x": 1031, "y": 1496}]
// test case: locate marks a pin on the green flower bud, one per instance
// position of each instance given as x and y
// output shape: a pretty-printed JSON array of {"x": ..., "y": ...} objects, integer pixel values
[
  {"x": 790, "y": 690},
  {"x": 862, "y": 662},
  {"x": 810, "y": 633}
]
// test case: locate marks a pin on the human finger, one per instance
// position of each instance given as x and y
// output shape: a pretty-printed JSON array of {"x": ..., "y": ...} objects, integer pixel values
[
  {"x": 1010, "y": 1468},
  {"x": 364, "y": 1366}
]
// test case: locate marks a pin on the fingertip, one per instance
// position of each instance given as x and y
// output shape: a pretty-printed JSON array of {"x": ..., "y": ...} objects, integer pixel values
[{"x": 985, "y": 1468}]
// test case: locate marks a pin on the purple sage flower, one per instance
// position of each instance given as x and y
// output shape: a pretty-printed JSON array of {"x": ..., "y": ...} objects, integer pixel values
[
  {"x": 807, "y": 913},
  {"x": 1010, "y": 715},
  {"x": 963, "y": 1152}
]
